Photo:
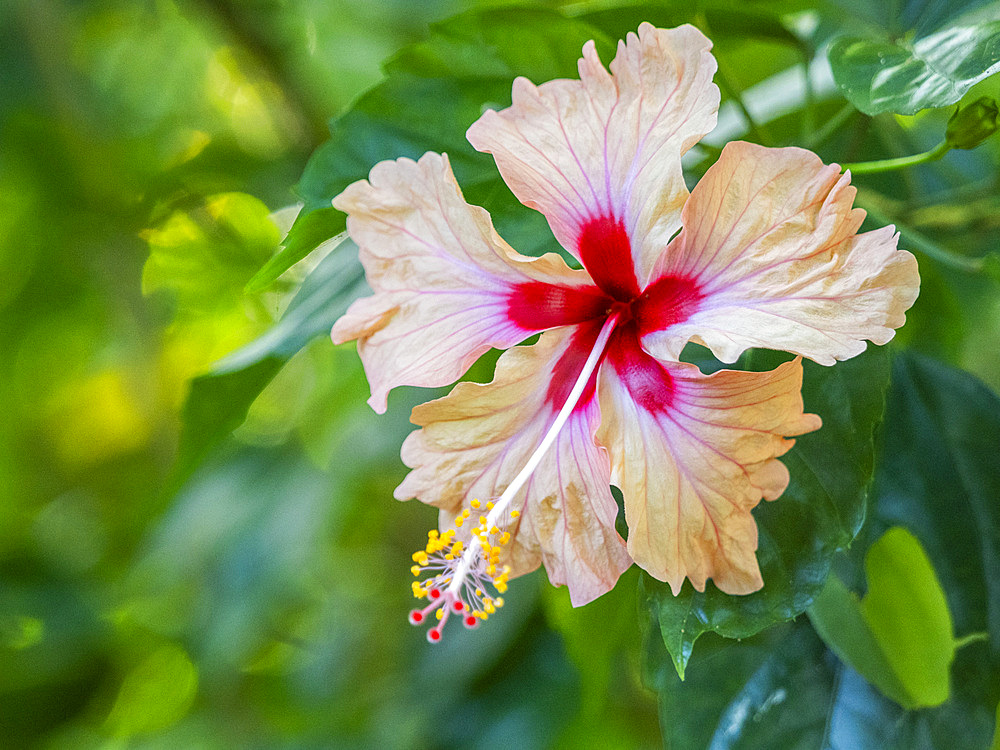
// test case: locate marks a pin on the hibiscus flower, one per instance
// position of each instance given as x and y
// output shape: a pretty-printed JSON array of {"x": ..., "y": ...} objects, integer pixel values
[{"x": 764, "y": 252}]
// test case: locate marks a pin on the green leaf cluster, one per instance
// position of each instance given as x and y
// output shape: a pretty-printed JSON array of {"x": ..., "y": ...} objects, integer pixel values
[{"x": 900, "y": 679}]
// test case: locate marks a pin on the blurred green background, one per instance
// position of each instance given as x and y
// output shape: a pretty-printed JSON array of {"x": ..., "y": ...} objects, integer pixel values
[
  {"x": 164, "y": 584},
  {"x": 261, "y": 601}
]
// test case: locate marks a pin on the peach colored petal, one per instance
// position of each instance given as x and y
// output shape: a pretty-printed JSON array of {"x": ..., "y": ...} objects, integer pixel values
[
  {"x": 477, "y": 438},
  {"x": 770, "y": 240},
  {"x": 693, "y": 457},
  {"x": 442, "y": 277},
  {"x": 609, "y": 144}
]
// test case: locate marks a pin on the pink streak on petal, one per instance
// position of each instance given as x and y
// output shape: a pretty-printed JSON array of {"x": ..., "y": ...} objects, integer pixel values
[
  {"x": 610, "y": 143},
  {"x": 441, "y": 275},
  {"x": 649, "y": 383},
  {"x": 691, "y": 473},
  {"x": 570, "y": 363},
  {"x": 770, "y": 237}
]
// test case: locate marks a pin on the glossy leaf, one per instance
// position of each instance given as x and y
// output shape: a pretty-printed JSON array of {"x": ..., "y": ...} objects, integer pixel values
[
  {"x": 906, "y": 75},
  {"x": 315, "y": 228},
  {"x": 782, "y": 689},
  {"x": 819, "y": 513},
  {"x": 768, "y": 692},
  {"x": 899, "y": 635},
  {"x": 325, "y": 294}
]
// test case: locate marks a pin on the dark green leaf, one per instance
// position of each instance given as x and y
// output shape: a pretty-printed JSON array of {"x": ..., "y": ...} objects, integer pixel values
[
  {"x": 905, "y": 76},
  {"x": 940, "y": 429},
  {"x": 725, "y": 18},
  {"x": 819, "y": 513},
  {"x": 782, "y": 690},
  {"x": 769, "y": 692},
  {"x": 940, "y": 478}
]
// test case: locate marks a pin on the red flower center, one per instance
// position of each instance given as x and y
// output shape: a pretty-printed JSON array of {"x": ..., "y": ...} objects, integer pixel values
[{"x": 606, "y": 251}]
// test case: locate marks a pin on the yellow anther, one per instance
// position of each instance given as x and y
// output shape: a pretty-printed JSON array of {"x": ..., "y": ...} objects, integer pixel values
[
  {"x": 416, "y": 570},
  {"x": 498, "y": 601},
  {"x": 489, "y": 506},
  {"x": 458, "y": 521},
  {"x": 449, "y": 556},
  {"x": 515, "y": 514},
  {"x": 482, "y": 521},
  {"x": 457, "y": 548},
  {"x": 439, "y": 614},
  {"x": 475, "y": 504},
  {"x": 494, "y": 530},
  {"x": 432, "y": 534},
  {"x": 505, "y": 537},
  {"x": 466, "y": 513}
]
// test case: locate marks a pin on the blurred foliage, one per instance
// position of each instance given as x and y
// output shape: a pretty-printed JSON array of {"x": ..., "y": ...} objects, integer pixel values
[{"x": 198, "y": 546}]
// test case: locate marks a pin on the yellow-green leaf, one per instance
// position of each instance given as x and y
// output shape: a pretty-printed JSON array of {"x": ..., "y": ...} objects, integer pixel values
[
  {"x": 155, "y": 694},
  {"x": 899, "y": 636},
  {"x": 908, "y": 615}
]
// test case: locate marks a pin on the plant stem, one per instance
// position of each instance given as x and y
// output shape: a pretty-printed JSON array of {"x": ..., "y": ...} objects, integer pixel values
[
  {"x": 888, "y": 165},
  {"x": 925, "y": 244},
  {"x": 965, "y": 640},
  {"x": 831, "y": 126}
]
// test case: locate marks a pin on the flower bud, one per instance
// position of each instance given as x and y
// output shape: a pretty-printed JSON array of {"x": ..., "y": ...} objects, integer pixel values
[{"x": 972, "y": 125}]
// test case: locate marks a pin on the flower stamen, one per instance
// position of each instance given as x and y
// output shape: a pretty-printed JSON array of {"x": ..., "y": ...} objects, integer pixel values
[{"x": 464, "y": 573}]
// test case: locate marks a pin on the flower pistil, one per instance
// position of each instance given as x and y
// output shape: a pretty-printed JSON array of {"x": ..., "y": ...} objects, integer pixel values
[{"x": 464, "y": 572}]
